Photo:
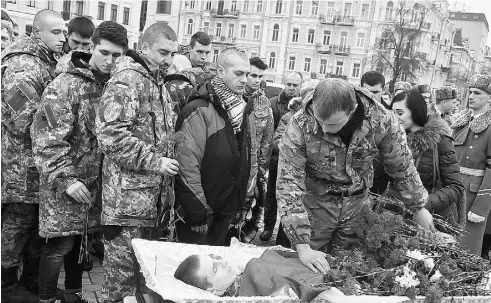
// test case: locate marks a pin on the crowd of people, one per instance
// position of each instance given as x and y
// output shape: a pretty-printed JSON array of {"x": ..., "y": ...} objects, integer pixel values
[{"x": 99, "y": 141}]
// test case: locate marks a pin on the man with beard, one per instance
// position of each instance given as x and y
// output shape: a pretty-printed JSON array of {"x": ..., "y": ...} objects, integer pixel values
[{"x": 27, "y": 68}]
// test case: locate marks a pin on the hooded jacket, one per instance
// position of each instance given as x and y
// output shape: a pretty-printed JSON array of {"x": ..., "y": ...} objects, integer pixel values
[
  {"x": 135, "y": 126},
  {"x": 217, "y": 168},
  {"x": 27, "y": 68},
  {"x": 66, "y": 149}
]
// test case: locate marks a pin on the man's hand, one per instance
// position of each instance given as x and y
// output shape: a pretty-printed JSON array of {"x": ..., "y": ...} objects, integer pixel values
[
  {"x": 294, "y": 103},
  {"x": 200, "y": 229},
  {"x": 169, "y": 167},
  {"x": 79, "y": 192},
  {"x": 475, "y": 218},
  {"x": 424, "y": 218},
  {"x": 313, "y": 259}
]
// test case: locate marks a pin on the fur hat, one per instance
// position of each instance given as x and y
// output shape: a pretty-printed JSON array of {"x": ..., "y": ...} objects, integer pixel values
[
  {"x": 482, "y": 82},
  {"x": 423, "y": 88},
  {"x": 445, "y": 93},
  {"x": 402, "y": 85}
]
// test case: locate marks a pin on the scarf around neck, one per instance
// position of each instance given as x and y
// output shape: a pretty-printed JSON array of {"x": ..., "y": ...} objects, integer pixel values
[
  {"x": 477, "y": 124},
  {"x": 233, "y": 103}
]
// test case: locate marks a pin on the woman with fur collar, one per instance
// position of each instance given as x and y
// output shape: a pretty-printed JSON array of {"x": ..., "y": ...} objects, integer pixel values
[{"x": 425, "y": 134}]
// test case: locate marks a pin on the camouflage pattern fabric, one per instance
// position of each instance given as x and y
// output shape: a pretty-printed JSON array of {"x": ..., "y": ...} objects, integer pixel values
[
  {"x": 135, "y": 124},
  {"x": 66, "y": 149},
  {"x": 314, "y": 165},
  {"x": 20, "y": 234},
  {"x": 27, "y": 68},
  {"x": 179, "y": 88},
  {"x": 118, "y": 266}
]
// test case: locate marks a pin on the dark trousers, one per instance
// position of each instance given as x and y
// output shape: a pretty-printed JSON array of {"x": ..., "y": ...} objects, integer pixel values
[
  {"x": 271, "y": 205},
  {"x": 216, "y": 234},
  {"x": 57, "y": 252}
]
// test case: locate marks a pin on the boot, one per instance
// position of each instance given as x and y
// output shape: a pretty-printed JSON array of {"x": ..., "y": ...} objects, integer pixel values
[
  {"x": 12, "y": 291},
  {"x": 75, "y": 296},
  {"x": 30, "y": 274}
]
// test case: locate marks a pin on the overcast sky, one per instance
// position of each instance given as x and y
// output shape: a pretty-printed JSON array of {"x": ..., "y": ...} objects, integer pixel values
[{"x": 474, "y": 6}]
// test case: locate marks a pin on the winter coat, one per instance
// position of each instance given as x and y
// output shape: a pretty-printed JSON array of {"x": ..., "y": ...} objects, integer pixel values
[
  {"x": 314, "y": 164},
  {"x": 179, "y": 88},
  {"x": 135, "y": 123},
  {"x": 446, "y": 201},
  {"x": 27, "y": 68},
  {"x": 218, "y": 169},
  {"x": 66, "y": 149}
]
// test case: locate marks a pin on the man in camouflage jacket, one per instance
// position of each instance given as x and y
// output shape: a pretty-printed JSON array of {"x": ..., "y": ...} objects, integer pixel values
[
  {"x": 69, "y": 159},
  {"x": 325, "y": 168},
  {"x": 27, "y": 68},
  {"x": 135, "y": 123}
]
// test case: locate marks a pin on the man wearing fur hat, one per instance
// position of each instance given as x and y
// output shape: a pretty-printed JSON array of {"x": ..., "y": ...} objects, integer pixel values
[
  {"x": 425, "y": 90},
  {"x": 445, "y": 103},
  {"x": 400, "y": 86},
  {"x": 472, "y": 133}
]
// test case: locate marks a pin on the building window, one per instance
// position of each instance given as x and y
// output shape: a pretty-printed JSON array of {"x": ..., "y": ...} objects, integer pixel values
[
  {"x": 233, "y": 8},
  {"x": 31, "y": 3},
  {"x": 330, "y": 9},
  {"x": 327, "y": 37},
  {"x": 389, "y": 10},
  {"x": 126, "y": 15},
  {"x": 192, "y": 4},
  {"x": 347, "y": 9},
  {"x": 219, "y": 30},
  {"x": 306, "y": 65},
  {"x": 231, "y": 30},
  {"x": 243, "y": 30},
  {"x": 315, "y": 7},
  {"x": 100, "y": 10},
  {"x": 343, "y": 40},
  {"x": 79, "y": 8},
  {"x": 272, "y": 60},
  {"x": 295, "y": 35},
  {"x": 216, "y": 52},
  {"x": 114, "y": 12},
  {"x": 206, "y": 26},
  {"x": 259, "y": 7},
  {"x": 364, "y": 11},
  {"x": 190, "y": 27},
  {"x": 49, "y": 4},
  {"x": 299, "y": 7},
  {"x": 257, "y": 29},
  {"x": 208, "y": 6},
  {"x": 163, "y": 7},
  {"x": 360, "y": 40},
  {"x": 310, "y": 36},
  {"x": 276, "y": 32},
  {"x": 339, "y": 67},
  {"x": 356, "y": 70},
  {"x": 279, "y": 5},
  {"x": 246, "y": 5},
  {"x": 323, "y": 67},
  {"x": 291, "y": 63}
]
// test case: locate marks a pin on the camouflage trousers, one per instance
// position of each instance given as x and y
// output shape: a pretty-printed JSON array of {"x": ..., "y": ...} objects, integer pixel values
[
  {"x": 20, "y": 234},
  {"x": 119, "y": 267}
]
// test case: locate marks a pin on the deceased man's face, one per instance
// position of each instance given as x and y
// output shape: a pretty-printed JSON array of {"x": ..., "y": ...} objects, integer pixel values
[{"x": 217, "y": 272}]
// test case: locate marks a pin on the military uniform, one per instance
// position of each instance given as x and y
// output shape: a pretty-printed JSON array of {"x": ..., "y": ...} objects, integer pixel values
[
  {"x": 180, "y": 86},
  {"x": 322, "y": 183},
  {"x": 201, "y": 74},
  {"x": 134, "y": 126},
  {"x": 27, "y": 68}
]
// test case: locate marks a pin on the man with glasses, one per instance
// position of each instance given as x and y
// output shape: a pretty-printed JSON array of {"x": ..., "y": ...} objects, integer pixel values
[{"x": 279, "y": 104}]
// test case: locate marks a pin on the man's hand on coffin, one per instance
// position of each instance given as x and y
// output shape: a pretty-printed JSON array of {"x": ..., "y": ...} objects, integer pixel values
[
  {"x": 169, "y": 167},
  {"x": 79, "y": 192},
  {"x": 203, "y": 229},
  {"x": 313, "y": 259},
  {"x": 424, "y": 218}
]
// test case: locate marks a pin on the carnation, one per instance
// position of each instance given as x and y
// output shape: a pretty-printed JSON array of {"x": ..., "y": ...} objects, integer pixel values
[{"x": 408, "y": 279}]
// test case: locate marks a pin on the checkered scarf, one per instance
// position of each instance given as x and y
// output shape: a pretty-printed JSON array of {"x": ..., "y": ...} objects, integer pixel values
[{"x": 232, "y": 103}]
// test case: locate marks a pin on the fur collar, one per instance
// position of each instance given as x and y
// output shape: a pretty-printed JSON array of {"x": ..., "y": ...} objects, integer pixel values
[
  {"x": 430, "y": 135},
  {"x": 477, "y": 125}
]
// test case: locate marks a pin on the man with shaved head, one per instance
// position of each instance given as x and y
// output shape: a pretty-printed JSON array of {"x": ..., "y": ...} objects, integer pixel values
[
  {"x": 133, "y": 123},
  {"x": 27, "y": 68},
  {"x": 217, "y": 171}
]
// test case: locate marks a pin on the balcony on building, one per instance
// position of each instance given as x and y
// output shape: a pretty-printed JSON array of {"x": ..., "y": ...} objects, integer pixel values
[
  {"x": 225, "y": 13},
  {"x": 331, "y": 75},
  {"x": 323, "y": 49},
  {"x": 341, "y": 50},
  {"x": 223, "y": 40},
  {"x": 323, "y": 19},
  {"x": 69, "y": 15},
  {"x": 344, "y": 20},
  {"x": 415, "y": 25}
]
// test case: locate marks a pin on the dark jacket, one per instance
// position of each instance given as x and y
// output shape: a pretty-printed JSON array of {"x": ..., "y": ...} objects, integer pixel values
[
  {"x": 215, "y": 173},
  {"x": 279, "y": 104},
  {"x": 436, "y": 133}
]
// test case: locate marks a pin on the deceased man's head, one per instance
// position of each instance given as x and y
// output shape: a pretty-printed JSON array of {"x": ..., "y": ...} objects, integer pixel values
[{"x": 208, "y": 272}]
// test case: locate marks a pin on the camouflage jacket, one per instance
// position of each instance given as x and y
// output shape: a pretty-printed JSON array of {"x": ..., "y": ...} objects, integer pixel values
[
  {"x": 263, "y": 115},
  {"x": 313, "y": 163},
  {"x": 66, "y": 149},
  {"x": 134, "y": 126},
  {"x": 179, "y": 87},
  {"x": 27, "y": 68}
]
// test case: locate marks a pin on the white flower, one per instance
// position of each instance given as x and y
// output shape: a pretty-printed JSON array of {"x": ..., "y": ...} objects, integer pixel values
[
  {"x": 408, "y": 279},
  {"x": 436, "y": 276},
  {"x": 415, "y": 254},
  {"x": 429, "y": 263}
]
